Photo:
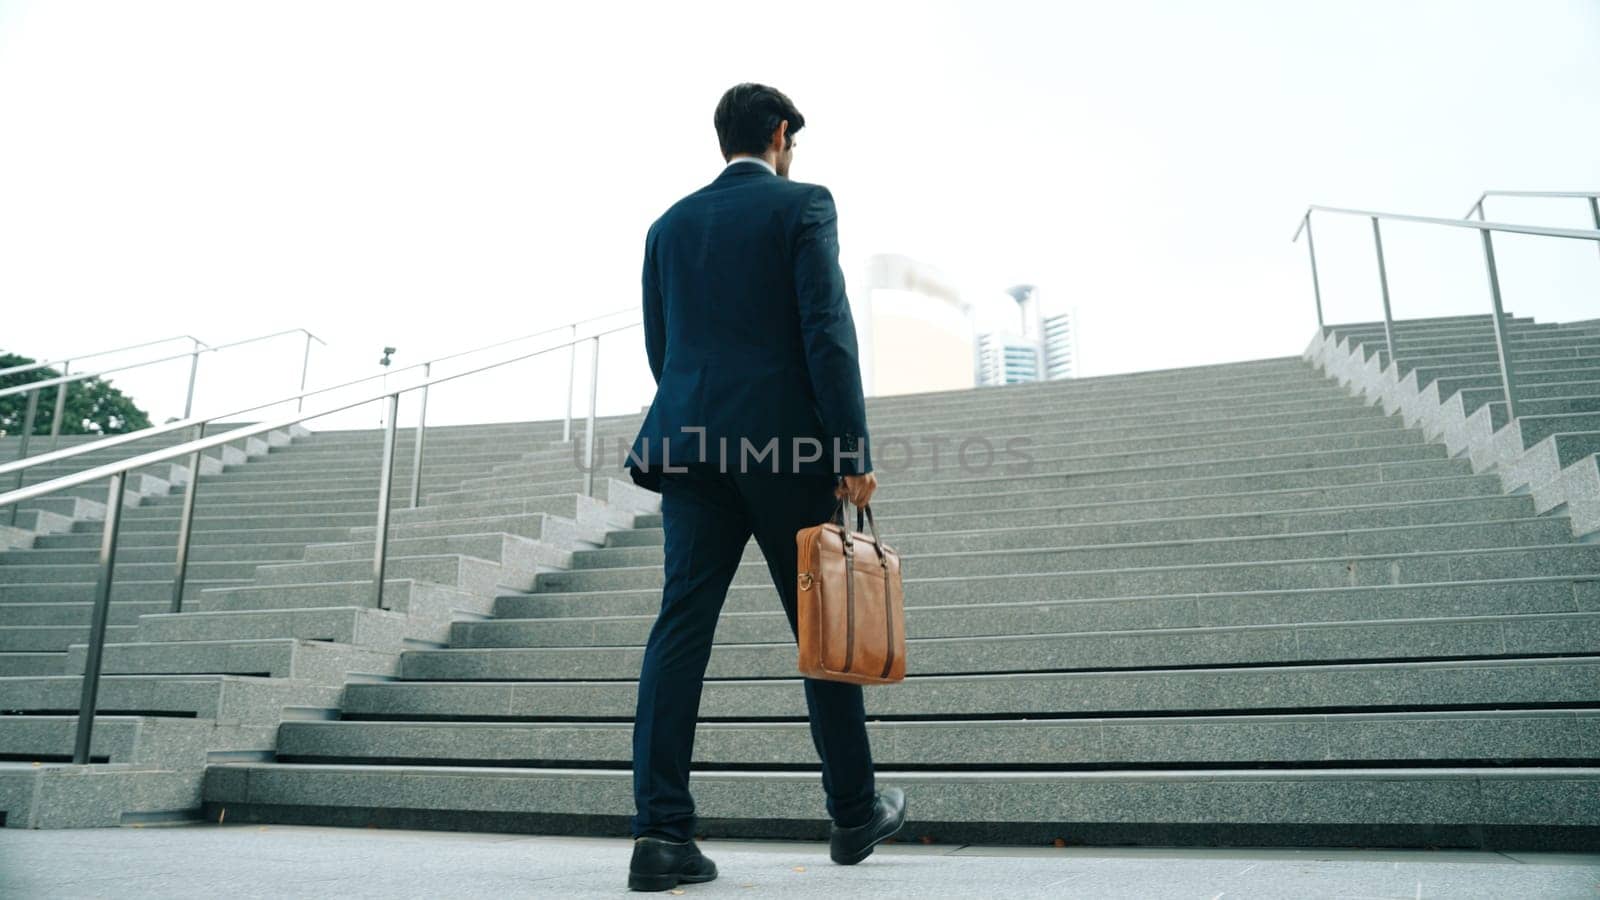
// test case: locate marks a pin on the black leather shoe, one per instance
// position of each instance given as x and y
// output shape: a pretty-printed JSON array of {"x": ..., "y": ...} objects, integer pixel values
[
  {"x": 849, "y": 846},
  {"x": 659, "y": 864}
]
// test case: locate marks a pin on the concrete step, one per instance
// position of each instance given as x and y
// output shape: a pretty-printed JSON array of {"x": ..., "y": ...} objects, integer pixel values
[
  {"x": 1484, "y": 388},
  {"x": 132, "y": 571},
  {"x": 1221, "y": 495},
  {"x": 62, "y": 612},
  {"x": 197, "y": 538},
  {"x": 19, "y": 638},
  {"x": 70, "y": 507},
  {"x": 1404, "y": 461},
  {"x": 223, "y": 698},
  {"x": 1375, "y": 686},
  {"x": 1435, "y": 739},
  {"x": 513, "y": 551},
  {"x": 105, "y": 795},
  {"x": 150, "y": 591},
  {"x": 998, "y": 453},
  {"x": 941, "y": 532},
  {"x": 1185, "y": 518},
  {"x": 148, "y": 740},
  {"x": 558, "y": 531},
  {"x": 1296, "y": 806},
  {"x": 1540, "y": 465},
  {"x": 354, "y": 625},
  {"x": 315, "y": 661},
  {"x": 1048, "y": 436},
  {"x": 1475, "y": 637},
  {"x": 1381, "y": 555},
  {"x": 950, "y": 609},
  {"x": 33, "y": 663},
  {"x": 479, "y": 576},
  {"x": 415, "y": 599},
  {"x": 167, "y": 555},
  {"x": 165, "y": 520}
]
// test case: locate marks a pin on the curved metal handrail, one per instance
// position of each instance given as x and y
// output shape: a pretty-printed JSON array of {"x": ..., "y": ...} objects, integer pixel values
[
  {"x": 1485, "y": 231},
  {"x": 1509, "y": 227},
  {"x": 117, "y": 473},
  {"x": 195, "y": 354},
  {"x": 68, "y": 360},
  {"x": 1592, "y": 196},
  {"x": 33, "y": 388},
  {"x": 118, "y": 440}
]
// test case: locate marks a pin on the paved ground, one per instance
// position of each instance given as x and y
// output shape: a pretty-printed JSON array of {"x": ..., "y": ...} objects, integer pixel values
[{"x": 279, "y": 861}]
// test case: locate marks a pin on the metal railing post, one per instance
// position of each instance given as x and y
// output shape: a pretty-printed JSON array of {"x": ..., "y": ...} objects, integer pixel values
[
  {"x": 194, "y": 371},
  {"x": 588, "y": 428},
  {"x": 380, "y": 546},
  {"x": 572, "y": 374},
  {"x": 186, "y": 522},
  {"x": 416, "y": 451},
  {"x": 32, "y": 412},
  {"x": 1383, "y": 282},
  {"x": 1594, "y": 213},
  {"x": 97, "y": 623},
  {"x": 305, "y": 368},
  {"x": 1501, "y": 342},
  {"x": 1478, "y": 208},
  {"x": 1316, "y": 285},
  {"x": 61, "y": 407}
]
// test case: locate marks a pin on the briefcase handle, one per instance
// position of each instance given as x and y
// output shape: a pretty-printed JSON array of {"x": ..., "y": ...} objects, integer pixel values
[{"x": 849, "y": 542}]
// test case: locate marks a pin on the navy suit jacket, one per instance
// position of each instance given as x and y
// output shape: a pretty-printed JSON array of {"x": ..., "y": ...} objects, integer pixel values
[{"x": 749, "y": 334}]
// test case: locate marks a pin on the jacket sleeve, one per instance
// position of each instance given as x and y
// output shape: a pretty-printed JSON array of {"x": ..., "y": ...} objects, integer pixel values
[
  {"x": 829, "y": 334},
  {"x": 655, "y": 330}
]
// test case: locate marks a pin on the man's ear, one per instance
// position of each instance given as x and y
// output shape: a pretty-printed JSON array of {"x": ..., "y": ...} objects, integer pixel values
[{"x": 780, "y": 140}]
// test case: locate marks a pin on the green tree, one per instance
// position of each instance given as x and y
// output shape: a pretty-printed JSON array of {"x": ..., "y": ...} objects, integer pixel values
[{"x": 93, "y": 406}]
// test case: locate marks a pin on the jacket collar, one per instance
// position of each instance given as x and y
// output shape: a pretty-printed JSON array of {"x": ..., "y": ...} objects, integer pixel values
[{"x": 741, "y": 169}]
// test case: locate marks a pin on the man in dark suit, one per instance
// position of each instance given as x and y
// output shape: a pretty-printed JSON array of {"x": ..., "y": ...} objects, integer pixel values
[{"x": 758, "y": 426}]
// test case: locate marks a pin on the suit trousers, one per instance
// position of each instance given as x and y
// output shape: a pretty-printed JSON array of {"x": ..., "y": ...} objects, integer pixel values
[{"x": 708, "y": 517}]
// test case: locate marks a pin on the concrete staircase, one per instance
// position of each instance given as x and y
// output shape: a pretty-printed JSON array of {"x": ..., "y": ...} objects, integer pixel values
[
  {"x": 60, "y": 512},
  {"x": 278, "y": 612},
  {"x": 1448, "y": 383},
  {"x": 1228, "y": 604},
  {"x": 49, "y": 569}
]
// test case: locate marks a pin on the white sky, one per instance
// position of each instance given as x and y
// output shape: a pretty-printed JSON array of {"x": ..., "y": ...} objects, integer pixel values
[{"x": 437, "y": 175}]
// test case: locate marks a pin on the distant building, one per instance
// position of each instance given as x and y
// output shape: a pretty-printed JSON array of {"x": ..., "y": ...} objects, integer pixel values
[
  {"x": 1060, "y": 347},
  {"x": 1007, "y": 359},
  {"x": 1043, "y": 348},
  {"x": 913, "y": 328}
]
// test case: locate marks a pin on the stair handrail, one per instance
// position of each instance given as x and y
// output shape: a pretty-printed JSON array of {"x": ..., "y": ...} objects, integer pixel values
[
  {"x": 22, "y": 464},
  {"x": 33, "y": 388},
  {"x": 1592, "y": 196},
  {"x": 117, "y": 473},
  {"x": 1484, "y": 229},
  {"x": 69, "y": 360}
]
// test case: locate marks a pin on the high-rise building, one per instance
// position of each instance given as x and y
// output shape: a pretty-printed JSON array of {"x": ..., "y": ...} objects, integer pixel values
[
  {"x": 1007, "y": 359},
  {"x": 1043, "y": 348},
  {"x": 1059, "y": 347}
]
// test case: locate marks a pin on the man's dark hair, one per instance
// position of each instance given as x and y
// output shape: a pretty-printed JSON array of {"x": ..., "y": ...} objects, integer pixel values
[{"x": 748, "y": 114}]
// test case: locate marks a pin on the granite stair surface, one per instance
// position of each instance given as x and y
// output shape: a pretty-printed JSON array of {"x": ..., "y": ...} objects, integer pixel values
[
  {"x": 59, "y": 512},
  {"x": 279, "y": 611},
  {"x": 1230, "y": 604},
  {"x": 1444, "y": 377}
]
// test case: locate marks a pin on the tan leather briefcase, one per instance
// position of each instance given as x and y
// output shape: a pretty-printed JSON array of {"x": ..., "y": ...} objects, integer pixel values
[{"x": 851, "y": 611}]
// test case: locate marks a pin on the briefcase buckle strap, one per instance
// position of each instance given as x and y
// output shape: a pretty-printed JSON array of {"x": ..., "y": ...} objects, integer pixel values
[{"x": 806, "y": 580}]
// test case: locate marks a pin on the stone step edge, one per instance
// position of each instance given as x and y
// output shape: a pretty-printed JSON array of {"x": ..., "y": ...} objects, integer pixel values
[
  {"x": 1143, "y": 598},
  {"x": 1206, "y": 517},
  {"x": 408, "y": 683},
  {"x": 1142, "y": 545}
]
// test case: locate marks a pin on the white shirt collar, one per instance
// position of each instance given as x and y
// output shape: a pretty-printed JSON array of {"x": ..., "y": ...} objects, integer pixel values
[{"x": 755, "y": 159}]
